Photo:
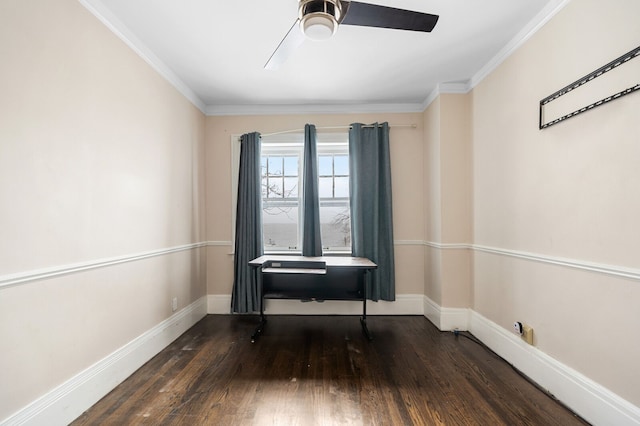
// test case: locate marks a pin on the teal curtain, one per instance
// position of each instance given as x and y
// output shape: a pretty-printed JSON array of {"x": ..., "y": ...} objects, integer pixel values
[
  {"x": 370, "y": 199},
  {"x": 248, "y": 243},
  {"x": 311, "y": 238}
]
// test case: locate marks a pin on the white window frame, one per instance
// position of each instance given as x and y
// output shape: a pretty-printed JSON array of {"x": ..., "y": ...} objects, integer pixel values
[
  {"x": 336, "y": 147},
  {"x": 287, "y": 147},
  {"x": 327, "y": 142}
]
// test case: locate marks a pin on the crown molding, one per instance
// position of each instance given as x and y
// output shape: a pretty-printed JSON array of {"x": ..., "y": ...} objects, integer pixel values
[
  {"x": 461, "y": 87},
  {"x": 453, "y": 87},
  {"x": 292, "y": 109},
  {"x": 104, "y": 15},
  {"x": 100, "y": 11},
  {"x": 458, "y": 87},
  {"x": 544, "y": 16},
  {"x": 429, "y": 99}
]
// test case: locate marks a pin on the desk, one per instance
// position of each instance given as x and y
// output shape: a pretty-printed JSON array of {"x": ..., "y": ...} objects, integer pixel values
[{"x": 312, "y": 278}]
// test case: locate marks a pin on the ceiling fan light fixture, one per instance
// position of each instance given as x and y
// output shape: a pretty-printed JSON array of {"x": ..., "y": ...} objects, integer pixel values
[
  {"x": 318, "y": 26},
  {"x": 319, "y": 18}
]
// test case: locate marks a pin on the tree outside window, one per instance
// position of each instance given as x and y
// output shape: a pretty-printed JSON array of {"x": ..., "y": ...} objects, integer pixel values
[{"x": 281, "y": 165}]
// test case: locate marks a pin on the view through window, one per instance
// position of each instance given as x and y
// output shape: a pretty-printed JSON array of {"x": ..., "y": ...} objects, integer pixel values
[{"x": 281, "y": 164}]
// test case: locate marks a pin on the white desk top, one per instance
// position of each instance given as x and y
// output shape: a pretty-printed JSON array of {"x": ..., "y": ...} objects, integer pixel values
[{"x": 329, "y": 261}]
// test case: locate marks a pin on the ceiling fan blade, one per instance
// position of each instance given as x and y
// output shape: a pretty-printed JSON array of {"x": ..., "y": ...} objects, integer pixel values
[
  {"x": 287, "y": 46},
  {"x": 373, "y": 15}
]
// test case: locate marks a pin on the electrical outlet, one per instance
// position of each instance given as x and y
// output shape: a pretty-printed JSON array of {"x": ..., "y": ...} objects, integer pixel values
[
  {"x": 527, "y": 334},
  {"x": 174, "y": 304}
]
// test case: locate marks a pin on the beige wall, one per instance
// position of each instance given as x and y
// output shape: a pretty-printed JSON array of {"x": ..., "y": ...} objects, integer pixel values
[
  {"x": 406, "y": 165},
  {"x": 99, "y": 158},
  {"x": 448, "y": 201},
  {"x": 433, "y": 213},
  {"x": 570, "y": 191}
]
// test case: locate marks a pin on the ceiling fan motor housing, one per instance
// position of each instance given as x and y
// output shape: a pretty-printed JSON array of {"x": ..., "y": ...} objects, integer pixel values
[{"x": 319, "y": 18}]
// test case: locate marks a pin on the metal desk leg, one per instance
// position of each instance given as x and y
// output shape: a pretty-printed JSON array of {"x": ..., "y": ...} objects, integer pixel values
[
  {"x": 263, "y": 318},
  {"x": 363, "y": 320},
  {"x": 259, "y": 329}
]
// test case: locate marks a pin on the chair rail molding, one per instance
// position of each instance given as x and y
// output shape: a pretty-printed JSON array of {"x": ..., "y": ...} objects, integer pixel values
[
  {"x": 57, "y": 271},
  {"x": 613, "y": 270}
]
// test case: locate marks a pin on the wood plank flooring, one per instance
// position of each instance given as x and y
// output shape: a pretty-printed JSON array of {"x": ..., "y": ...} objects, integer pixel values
[{"x": 320, "y": 370}]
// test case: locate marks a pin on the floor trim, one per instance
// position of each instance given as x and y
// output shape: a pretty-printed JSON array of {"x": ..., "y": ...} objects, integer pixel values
[
  {"x": 446, "y": 319},
  {"x": 592, "y": 401},
  {"x": 405, "y": 304},
  {"x": 69, "y": 400}
]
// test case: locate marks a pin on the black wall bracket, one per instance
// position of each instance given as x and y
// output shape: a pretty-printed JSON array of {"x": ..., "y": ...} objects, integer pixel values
[{"x": 584, "y": 80}]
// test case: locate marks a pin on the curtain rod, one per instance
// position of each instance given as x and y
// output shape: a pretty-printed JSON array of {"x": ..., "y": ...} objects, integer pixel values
[{"x": 413, "y": 126}]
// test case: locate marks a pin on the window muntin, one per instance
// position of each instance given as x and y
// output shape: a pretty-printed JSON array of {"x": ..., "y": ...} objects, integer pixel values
[
  {"x": 333, "y": 189},
  {"x": 281, "y": 174},
  {"x": 282, "y": 163}
]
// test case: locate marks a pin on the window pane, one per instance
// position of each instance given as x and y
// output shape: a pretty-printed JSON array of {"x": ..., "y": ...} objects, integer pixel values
[
  {"x": 325, "y": 188},
  {"x": 280, "y": 226},
  {"x": 280, "y": 211},
  {"x": 291, "y": 187},
  {"x": 275, "y": 188},
  {"x": 281, "y": 188},
  {"x": 291, "y": 166},
  {"x": 341, "y": 187},
  {"x": 263, "y": 166},
  {"x": 275, "y": 166},
  {"x": 335, "y": 225},
  {"x": 341, "y": 165},
  {"x": 325, "y": 165}
]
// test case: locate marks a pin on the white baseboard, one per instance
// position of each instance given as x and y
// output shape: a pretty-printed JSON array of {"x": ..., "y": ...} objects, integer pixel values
[
  {"x": 593, "y": 402},
  {"x": 69, "y": 400},
  {"x": 405, "y": 304},
  {"x": 219, "y": 304},
  {"x": 590, "y": 400},
  {"x": 446, "y": 319}
]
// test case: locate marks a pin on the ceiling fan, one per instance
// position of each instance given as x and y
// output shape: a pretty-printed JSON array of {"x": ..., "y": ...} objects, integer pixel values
[{"x": 319, "y": 20}]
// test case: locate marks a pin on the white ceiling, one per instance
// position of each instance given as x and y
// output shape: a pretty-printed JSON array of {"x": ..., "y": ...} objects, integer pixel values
[{"x": 214, "y": 52}]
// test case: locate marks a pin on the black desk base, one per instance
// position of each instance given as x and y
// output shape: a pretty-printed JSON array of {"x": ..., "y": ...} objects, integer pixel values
[
  {"x": 259, "y": 328},
  {"x": 312, "y": 278},
  {"x": 263, "y": 322}
]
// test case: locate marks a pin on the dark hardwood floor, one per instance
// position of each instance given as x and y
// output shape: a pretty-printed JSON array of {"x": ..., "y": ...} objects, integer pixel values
[{"x": 320, "y": 370}]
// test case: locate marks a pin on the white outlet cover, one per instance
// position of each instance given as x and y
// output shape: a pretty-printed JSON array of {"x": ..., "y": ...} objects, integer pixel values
[{"x": 517, "y": 327}]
